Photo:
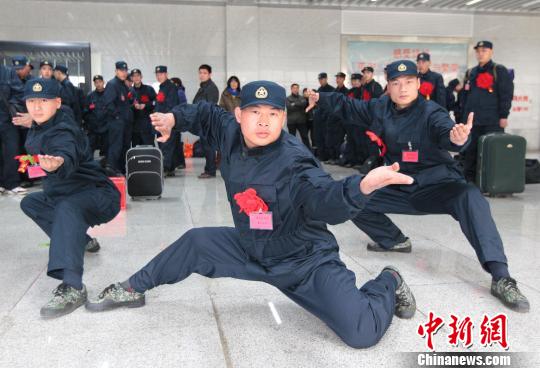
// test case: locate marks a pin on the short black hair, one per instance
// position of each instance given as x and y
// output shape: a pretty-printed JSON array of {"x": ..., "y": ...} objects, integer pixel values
[
  {"x": 295, "y": 84},
  {"x": 304, "y": 90},
  {"x": 206, "y": 67}
]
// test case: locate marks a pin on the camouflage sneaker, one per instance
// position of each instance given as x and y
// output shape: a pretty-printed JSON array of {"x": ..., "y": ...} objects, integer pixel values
[
  {"x": 506, "y": 291},
  {"x": 93, "y": 246},
  {"x": 405, "y": 306},
  {"x": 115, "y": 296},
  {"x": 64, "y": 301},
  {"x": 405, "y": 247}
]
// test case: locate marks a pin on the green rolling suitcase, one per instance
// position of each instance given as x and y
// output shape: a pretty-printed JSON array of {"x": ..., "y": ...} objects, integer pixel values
[{"x": 501, "y": 164}]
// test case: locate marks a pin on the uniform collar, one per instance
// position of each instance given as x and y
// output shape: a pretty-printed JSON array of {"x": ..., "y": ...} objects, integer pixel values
[
  {"x": 49, "y": 123},
  {"x": 406, "y": 110},
  {"x": 259, "y": 151},
  {"x": 204, "y": 84},
  {"x": 488, "y": 65}
]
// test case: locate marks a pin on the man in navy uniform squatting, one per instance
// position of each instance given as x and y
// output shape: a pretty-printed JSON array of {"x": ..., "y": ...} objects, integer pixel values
[
  {"x": 418, "y": 134},
  {"x": 76, "y": 193},
  {"x": 281, "y": 200}
]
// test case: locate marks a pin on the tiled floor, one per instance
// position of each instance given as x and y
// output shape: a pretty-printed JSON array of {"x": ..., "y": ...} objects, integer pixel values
[{"x": 229, "y": 323}]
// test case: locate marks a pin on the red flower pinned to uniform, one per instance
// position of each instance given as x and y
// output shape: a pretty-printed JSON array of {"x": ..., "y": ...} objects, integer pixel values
[
  {"x": 250, "y": 202},
  {"x": 25, "y": 161},
  {"x": 92, "y": 106},
  {"x": 485, "y": 81},
  {"x": 160, "y": 97},
  {"x": 426, "y": 89},
  {"x": 145, "y": 99},
  {"x": 376, "y": 139},
  {"x": 366, "y": 96},
  {"x": 351, "y": 95},
  {"x": 130, "y": 95}
]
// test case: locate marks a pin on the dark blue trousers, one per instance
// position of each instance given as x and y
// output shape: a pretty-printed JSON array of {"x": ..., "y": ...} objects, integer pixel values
[
  {"x": 116, "y": 129},
  {"x": 66, "y": 220},
  {"x": 9, "y": 148},
  {"x": 173, "y": 154},
  {"x": 360, "y": 317},
  {"x": 463, "y": 202}
]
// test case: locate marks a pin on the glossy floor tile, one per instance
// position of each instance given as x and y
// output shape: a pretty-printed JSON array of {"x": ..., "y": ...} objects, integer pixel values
[{"x": 230, "y": 323}]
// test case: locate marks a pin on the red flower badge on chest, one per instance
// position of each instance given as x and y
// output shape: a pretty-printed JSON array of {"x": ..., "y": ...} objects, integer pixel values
[
  {"x": 485, "y": 81},
  {"x": 92, "y": 106},
  {"x": 160, "y": 97},
  {"x": 250, "y": 202},
  {"x": 366, "y": 96},
  {"x": 426, "y": 89},
  {"x": 130, "y": 95},
  {"x": 145, "y": 99},
  {"x": 376, "y": 139}
]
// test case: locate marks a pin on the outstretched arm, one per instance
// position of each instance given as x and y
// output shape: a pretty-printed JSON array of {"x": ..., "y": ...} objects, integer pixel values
[
  {"x": 204, "y": 119},
  {"x": 335, "y": 201},
  {"x": 343, "y": 109}
]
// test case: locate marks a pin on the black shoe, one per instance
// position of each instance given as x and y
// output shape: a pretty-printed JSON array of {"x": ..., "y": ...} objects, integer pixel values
[
  {"x": 205, "y": 175},
  {"x": 93, "y": 246},
  {"x": 169, "y": 174},
  {"x": 181, "y": 166},
  {"x": 27, "y": 184},
  {"x": 348, "y": 165},
  {"x": 332, "y": 162},
  {"x": 405, "y": 247},
  {"x": 115, "y": 296},
  {"x": 405, "y": 306},
  {"x": 64, "y": 301},
  {"x": 506, "y": 291}
]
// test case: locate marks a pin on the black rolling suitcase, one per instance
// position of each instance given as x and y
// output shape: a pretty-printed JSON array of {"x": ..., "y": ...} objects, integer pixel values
[
  {"x": 501, "y": 164},
  {"x": 144, "y": 172}
]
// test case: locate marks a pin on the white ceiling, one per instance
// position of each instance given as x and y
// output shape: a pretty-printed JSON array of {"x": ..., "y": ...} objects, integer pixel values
[{"x": 477, "y": 6}]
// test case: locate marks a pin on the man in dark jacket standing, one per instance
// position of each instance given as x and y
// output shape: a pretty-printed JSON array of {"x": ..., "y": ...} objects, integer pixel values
[
  {"x": 11, "y": 93},
  {"x": 70, "y": 94},
  {"x": 431, "y": 83},
  {"x": 209, "y": 92},
  {"x": 143, "y": 105},
  {"x": 319, "y": 121},
  {"x": 93, "y": 114},
  {"x": 488, "y": 93},
  {"x": 166, "y": 99},
  {"x": 296, "y": 114},
  {"x": 118, "y": 116}
]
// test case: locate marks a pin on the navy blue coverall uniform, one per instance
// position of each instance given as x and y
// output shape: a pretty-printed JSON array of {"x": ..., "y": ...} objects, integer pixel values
[
  {"x": 319, "y": 127},
  {"x": 118, "y": 117},
  {"x": 208, "y": 92},
  {"x": 299, "y": 256},
  {"x": 173, "y": 154},
  {"x": 489, "y": 104},
  {"x": 143, "y": 133},
  {"x": 439, "y": 186},
  {"x": 94, "y": 113},
  {"x": 11, "y": 93},
  {"x": 76, "y": 196},
  {"x": 436, "y": 86},
  {"x": 335, "y": 132}
]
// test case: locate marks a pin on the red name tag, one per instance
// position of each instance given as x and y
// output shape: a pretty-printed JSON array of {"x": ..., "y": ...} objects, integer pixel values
[
  {"x": 409, "y": 156},
  {"x": 35, "y": 171},
  {"x": 261, "y": 221}
]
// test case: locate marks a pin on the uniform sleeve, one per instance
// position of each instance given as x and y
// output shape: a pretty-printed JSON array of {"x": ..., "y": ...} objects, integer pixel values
[
  {"x": 182, "y": 99},
  {"x": 323, "y": 198},
  {"x": 441, "y": 91},
  {"x": 377, "y": 90},
  {"x": 109, "y": 97},
  {"x": 204, "y": 119},
  {"x": 440, "y": 124},
  {"x": 506, "y": 91},
  {"x": 63, "y": 144},
  {"x": 347, "y": 111},
  {"x": 172, "y": 98},
  {"x": 213, "y": 94},
  {"x": 16, "y": 91}
]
